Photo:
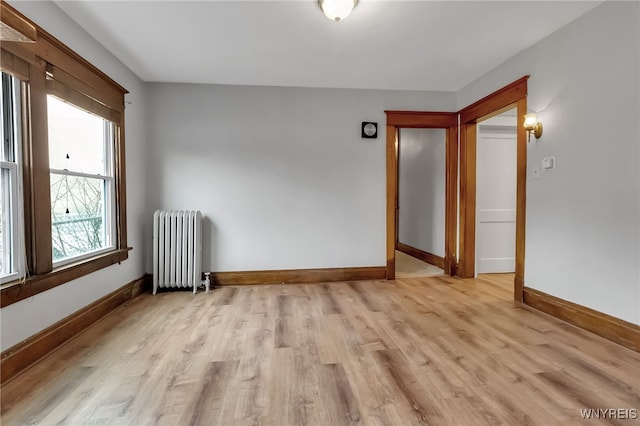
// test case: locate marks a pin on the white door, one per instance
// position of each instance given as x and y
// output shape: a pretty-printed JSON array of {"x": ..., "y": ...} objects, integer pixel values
[{"x": 496, "y": 200}]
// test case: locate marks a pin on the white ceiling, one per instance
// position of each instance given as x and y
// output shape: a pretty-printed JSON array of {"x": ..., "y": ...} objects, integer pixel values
[{"x": 415, "y": 45}]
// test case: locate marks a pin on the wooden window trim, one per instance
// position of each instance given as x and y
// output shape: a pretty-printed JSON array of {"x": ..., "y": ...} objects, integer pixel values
[
  {"x": 61, "y": 91},
  {"x": 18, "y": 22},
  {"x": 49, "y": 66},
  {"x": 14, "y": 65},
  {"x": 17, "y": 291},
  {"x": 111, "y": 98}
]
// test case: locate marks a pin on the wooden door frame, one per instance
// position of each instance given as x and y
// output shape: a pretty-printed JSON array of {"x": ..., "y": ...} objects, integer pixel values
[
  {"x": 422, "y": 120},
  {"x": 510, "y": 96}
]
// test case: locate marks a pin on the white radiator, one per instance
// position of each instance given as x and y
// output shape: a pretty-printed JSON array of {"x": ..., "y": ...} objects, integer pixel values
[{"x": 177, "y": 249}]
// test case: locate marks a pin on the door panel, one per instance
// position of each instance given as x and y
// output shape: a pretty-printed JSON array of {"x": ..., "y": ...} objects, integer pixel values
[{"x": 496, "y": 201}]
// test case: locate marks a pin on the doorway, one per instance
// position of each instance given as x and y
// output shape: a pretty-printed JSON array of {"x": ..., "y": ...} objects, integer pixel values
[
  {"x": 509, "y": 97},
  {"x": 420, "y": 234},
  {"x": 446, "y": 122},
  {"x": 496, "y": 157},
  {"x": 460, "y": 192}
]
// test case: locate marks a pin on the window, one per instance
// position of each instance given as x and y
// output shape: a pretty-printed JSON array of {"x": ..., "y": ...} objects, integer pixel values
[
  {"x": 82, "y": 190},
  {"x": 11, "y": 238},
  {"x": 62, "y": 187}
]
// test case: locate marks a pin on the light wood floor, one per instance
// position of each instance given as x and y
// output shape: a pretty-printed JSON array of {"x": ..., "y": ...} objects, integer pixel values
[
  {"x": 410, "y": 267},
  {"x": 437, "y": 351}
]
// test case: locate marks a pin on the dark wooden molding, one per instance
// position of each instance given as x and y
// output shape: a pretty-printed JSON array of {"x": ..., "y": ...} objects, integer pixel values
[
  {"x": 392, "y": 199},
  {"x": 19, "y": 357},
  {"x": 16, "y": 21},
  {"x": 427, "y": 120},
  {"x": 521, "y": 201},
  {"x": 14, "y": 65},
  {"x": 611, "y": 328},
  {"x": 16, "y": 291},
  {"x": 291, "y": 276},
  {"x": 451, "y": 200},
  {"x": 38, "y": 195},
  {"x": 467, "y": 211},
  {"x": 430, "y": 258},
  {"x": 421, "y": 119},
  {"x": 496, "y": 102},
  {"x": 120, "y": 176},
  {"x": 518, "y": 289}
]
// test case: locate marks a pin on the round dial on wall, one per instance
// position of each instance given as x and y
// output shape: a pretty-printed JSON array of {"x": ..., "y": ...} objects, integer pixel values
[{"x": 369, "y": 129}]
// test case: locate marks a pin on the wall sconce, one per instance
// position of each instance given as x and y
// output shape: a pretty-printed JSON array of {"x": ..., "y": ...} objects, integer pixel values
[
  {"x": 336, "y": 10},
  {"x": 531, "y": 125}
]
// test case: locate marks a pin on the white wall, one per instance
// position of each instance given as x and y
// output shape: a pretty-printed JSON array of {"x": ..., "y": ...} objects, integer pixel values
[
  {"x": 421, "y": 188},
  {"x": 582, "y": 235},
  {"x": 25, "y": 318},
  {"x": 282, "y": 174}
]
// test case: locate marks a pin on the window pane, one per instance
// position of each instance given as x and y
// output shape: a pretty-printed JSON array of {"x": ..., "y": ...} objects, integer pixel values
[
  {"x": 11, "y": 237},
  {"x": 76, "y": 139},
  {"x": 78, "y": 215},
  {"x": 7, "y": 148},
  {"x": 6, "y": 265},
  {"x": 3, "y": 244}
]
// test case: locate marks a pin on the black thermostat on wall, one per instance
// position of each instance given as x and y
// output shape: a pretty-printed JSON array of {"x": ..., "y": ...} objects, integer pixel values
[{"x": 369, "y": 130}]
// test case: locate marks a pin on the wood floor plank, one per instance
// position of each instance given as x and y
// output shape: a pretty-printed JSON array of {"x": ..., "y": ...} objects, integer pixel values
[
  {"x": 283, "y": 405},
  {"x": 418, "y": 406},
  {"x": 339, "y": 404},
  {"x": 209, "y": 399},
  {"x": 435, "y": 350}
]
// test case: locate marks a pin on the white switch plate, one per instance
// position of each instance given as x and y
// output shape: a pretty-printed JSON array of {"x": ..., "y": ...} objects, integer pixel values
[
  {"x": 549, "y": 163},
  {"x": 536, "y": 172}
]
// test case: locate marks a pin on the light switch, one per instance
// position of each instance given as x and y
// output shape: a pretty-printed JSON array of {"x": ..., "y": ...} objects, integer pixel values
[{"x": 549, "y": 163}]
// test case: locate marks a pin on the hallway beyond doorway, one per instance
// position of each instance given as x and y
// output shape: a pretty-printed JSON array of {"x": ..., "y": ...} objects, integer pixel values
[{"x": 410, "y": 267}]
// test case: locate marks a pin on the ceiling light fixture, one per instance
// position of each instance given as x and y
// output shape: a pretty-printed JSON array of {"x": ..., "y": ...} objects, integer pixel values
[
  {"x": 532, "y": 125},
  {"x": 337, "y": 10}
]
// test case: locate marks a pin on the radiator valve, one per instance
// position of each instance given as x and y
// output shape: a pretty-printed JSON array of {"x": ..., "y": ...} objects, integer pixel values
[{"x": 207, "y": 281}]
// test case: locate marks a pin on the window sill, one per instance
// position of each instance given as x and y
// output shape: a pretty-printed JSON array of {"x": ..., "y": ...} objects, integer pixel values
[{"x": 17, "y": 290}]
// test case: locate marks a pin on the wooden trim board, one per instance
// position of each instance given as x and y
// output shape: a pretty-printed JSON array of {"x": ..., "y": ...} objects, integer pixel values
[
  {"x": 421, "y": 119},
  {"x": 21, "y": 356},
  {"x": 392, "y": 155},
  {"x": 430, "y": 258},
  {"x": 17, "y": 291},
  {"x": 497, "y": 102},
  {"x": 467, "y": 209},
  {"x": 611, "y": 328},
  {"x": 451, "y": 199},
  {"x": 16, "y": 21},
  {"x": 521, "y": 201},
  {"x": 291, "y": 276}
]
